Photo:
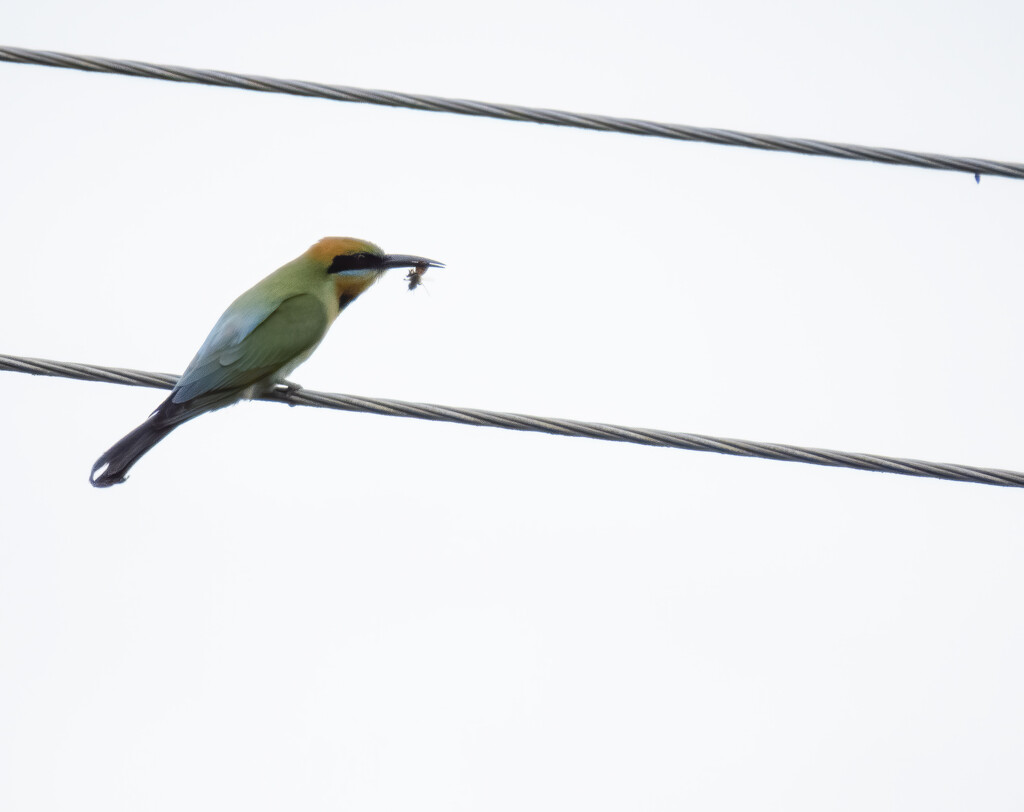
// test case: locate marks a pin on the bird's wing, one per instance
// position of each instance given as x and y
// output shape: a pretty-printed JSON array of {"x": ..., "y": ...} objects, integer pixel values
[{"x": 243, "y": 350}]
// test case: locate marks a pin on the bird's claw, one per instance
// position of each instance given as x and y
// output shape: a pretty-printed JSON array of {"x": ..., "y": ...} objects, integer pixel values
[{"x": 285, "y": 390}]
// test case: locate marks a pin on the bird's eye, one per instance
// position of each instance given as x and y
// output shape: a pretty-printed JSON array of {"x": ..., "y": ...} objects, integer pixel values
[{"x": 363, "y": 261}]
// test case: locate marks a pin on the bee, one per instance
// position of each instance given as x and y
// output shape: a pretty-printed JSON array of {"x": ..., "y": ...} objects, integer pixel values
[{"x": 415, "y": 276}]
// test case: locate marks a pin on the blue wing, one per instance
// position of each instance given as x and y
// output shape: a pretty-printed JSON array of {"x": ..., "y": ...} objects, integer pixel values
[{"x": 248, "y": 345}]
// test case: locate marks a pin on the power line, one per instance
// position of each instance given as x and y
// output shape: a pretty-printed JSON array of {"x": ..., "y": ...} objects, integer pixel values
[
  {"x": 548, "y": 425},
  {"x": 561, "y": 118}
]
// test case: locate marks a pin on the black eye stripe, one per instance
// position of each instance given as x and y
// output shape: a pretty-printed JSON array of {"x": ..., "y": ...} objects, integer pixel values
[{"x": 363, "y": 261}]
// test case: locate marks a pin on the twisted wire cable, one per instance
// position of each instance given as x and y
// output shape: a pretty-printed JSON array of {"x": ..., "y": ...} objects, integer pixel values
[
  {"x": 548, "y": 425},
  {"x": 561, "y": 118}
]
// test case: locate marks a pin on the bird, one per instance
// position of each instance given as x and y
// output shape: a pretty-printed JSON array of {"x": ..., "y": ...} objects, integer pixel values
[{"x": 260, "y": 339}]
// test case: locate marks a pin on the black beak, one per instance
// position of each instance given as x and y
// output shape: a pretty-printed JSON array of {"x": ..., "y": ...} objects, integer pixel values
[{"x": 408, "y": 261}]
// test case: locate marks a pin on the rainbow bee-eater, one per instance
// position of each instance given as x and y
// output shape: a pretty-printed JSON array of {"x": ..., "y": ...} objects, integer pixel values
[{"x": 263, "y": 335}]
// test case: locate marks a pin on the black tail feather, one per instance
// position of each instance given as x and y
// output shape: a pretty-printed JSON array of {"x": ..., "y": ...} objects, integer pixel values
[{"x": 121, "y": 456}]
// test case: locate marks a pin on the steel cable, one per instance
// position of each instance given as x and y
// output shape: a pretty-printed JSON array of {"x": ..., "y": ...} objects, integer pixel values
[
  {"x": 561, "y": 118},
  {"x": 548, "y": 425}
]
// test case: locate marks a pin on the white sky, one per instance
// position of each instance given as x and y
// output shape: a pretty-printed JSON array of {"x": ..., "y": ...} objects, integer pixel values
[{"x": 302, "y": 609}]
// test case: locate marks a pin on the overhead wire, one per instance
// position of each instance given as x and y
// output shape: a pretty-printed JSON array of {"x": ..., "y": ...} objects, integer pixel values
[
  {"x": 561, "y": 118},
  {"x": 547, "y": 425},
  {"x": 520, "y": 422}
]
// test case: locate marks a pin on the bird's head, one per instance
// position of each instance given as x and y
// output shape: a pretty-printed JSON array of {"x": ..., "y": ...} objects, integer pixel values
[{"x": 357, "y": 264}]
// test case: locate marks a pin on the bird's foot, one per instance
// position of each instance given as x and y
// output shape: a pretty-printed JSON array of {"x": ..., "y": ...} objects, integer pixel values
[{"x": 285, "y": 390}]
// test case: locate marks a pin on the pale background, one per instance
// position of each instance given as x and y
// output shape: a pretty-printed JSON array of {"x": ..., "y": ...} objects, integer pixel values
[{"x": 302, "y": 609}]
